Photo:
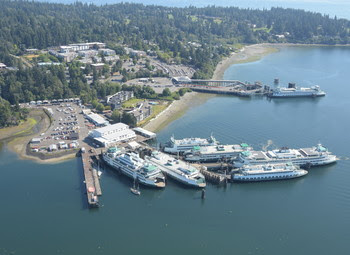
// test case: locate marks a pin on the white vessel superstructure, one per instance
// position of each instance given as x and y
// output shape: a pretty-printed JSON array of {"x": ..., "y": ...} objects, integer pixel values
[
  {"x": 215, "y": 153},
  {"x": 135, "y": 167},
  {"x": 268, "y": 172},
  {"x": 177, "y": 169},
  {"x": 178, "y": 146},
  {"x": 314, "y": 156},
  {"x": 313, "y": 91}
]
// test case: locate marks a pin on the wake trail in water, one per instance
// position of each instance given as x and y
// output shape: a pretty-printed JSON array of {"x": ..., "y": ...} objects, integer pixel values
[{"x": 268, "y": 144}]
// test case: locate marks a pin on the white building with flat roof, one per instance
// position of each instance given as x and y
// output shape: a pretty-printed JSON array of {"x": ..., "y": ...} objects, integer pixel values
[
  {"x": 112, "y": 134},
  {"x": 145, "y": 132},
  {"x": 98, "y": 120}
]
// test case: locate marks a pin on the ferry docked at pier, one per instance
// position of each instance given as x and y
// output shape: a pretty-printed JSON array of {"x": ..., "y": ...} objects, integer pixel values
[
  {"x": 179, "y": 146},
  {"x": 131, "y": 165},
  {"x": 177, "y": 169},
  {"x": 315, "y": 156},
  {"x": 268, "y": 172},
  {"x": 293, "y": 91},
  {"x": 215, "y": 153}
]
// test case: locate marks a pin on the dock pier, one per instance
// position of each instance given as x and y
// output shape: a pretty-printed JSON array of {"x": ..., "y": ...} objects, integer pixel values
[
  {"x": 213, "y": 177},
  {"x": 92, "y": 182}
]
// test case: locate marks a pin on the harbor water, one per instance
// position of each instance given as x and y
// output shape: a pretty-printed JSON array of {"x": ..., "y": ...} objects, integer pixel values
[{"x": 43, "y": 207}]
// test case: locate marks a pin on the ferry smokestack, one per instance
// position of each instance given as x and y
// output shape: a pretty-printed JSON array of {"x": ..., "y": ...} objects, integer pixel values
[{"x": 291, "y": 85}]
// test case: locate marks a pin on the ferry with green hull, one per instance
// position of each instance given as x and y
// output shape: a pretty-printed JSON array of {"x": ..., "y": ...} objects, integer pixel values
[{"x": 131, "y": 165}]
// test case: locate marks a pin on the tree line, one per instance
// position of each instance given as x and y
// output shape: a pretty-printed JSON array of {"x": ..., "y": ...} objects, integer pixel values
[{"x": 198, "y": 37}]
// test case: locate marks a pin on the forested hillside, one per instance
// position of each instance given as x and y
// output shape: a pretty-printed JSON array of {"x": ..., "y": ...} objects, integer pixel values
[
  {"x": 199, "y": 37},
  {"x": 32, "y": 24}
]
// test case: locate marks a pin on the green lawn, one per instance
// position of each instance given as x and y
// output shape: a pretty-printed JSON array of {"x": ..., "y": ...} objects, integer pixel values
[
  {"x": 156, "y": 109},
  {"x": 262, "y": 29},
  {"x": 218, "y": 21},
  {"x": 131, "y": 102}
]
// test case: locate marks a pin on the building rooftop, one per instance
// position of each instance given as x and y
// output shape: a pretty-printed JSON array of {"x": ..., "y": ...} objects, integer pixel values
[
  {"x": 115, "y": 137},
  {"x": 97, "y": 64},
  {"x": 111, "y": 127},
  {"x": 97, "y": 119},
  {"x": 144, "y": 131},
  {"x": 218, "y": 149}
]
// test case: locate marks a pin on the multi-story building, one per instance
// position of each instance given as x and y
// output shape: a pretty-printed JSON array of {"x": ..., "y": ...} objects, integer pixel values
[
  {"x": 116, "y": 100},
  {"x": 142, "y": 111}
]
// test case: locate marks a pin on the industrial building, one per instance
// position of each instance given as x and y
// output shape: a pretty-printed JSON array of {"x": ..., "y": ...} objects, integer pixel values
[
  {"x": 98, "y": 120},
  {"x": 112, "y": 134}
]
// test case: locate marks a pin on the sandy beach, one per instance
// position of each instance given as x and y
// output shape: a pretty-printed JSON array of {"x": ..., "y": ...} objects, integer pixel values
[
  {"x": 178, "y": 108},
  {"x": 249, "y": 53},
  {"x": 18, "y": 137},
  {"x": 175, "y": 110}
]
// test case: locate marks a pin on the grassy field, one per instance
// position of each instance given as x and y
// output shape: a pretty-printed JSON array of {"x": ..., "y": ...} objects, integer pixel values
[
  {"x": 218, "y": 21},
  {"x": 31, "y": 56},
  {"x": 132, "y": 102},
  {"x": 156, "y": 109},
  {"x": 25, "y": 128},
  {"x": 267, "y": 30}
]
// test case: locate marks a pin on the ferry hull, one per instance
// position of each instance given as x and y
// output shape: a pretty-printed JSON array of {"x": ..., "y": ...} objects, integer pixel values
[
  {"x": 272, "y": 178},
  {"x": 193, "y": 183},
  {"x": 187, "y": 182},
  {"x": 295, "y": 96},
  {"x": 176, "y": 177},
  {"x": 310, "y": 163}
]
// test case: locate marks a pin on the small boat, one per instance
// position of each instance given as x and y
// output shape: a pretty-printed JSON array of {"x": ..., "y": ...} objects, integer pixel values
[{"x": 135, "y": 189}]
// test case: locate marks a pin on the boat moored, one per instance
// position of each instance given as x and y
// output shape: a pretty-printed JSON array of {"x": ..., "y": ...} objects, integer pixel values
[
  {"x": 177, "y": 169},
  {"x": 268, "y": 172}
]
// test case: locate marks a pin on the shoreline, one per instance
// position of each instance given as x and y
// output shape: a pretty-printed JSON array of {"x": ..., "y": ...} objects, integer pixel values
[
  {"x": 254, "y": 52},
  {"x": 17, "y": 140},
  {"x": 247, "y": 54},
  {"x": 175, "y": 110}
]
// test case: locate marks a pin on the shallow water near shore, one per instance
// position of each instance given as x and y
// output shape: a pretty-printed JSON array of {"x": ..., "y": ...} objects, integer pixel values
[{"x": 44, "y": 210}]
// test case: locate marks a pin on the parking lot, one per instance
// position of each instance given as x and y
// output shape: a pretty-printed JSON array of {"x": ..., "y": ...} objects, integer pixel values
[{"x": 67, "y": 131}]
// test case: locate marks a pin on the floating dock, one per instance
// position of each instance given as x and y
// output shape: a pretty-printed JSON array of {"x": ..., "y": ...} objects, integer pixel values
[{"x": 92, "y": 183}]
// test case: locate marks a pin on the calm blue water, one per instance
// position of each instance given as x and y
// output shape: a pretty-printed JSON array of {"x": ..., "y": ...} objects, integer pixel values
[
  {"x": 43, "y": 207},
  {"x": 339, "y": 8}
]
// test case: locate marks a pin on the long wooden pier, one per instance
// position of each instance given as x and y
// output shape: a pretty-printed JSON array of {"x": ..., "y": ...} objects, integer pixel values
[{"x": 92, "y": 183}]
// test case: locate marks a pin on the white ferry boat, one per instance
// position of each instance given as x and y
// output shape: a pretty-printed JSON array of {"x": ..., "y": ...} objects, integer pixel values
[
  {"x": 268, "y": 172},
  {"x": 178, "y": 169},
  {"x": 215, "y": 153},
  {"x": 179, "y": 146},
  {"x": 293, "y": 91},
  {"x": 314, "y": 156},
  {"x": 135, "y": 167}
]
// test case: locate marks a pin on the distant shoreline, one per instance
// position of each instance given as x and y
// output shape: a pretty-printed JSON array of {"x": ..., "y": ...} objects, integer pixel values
[
  {"x": 249, "y": 53},
  {"x": 254, "y": 52}
]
